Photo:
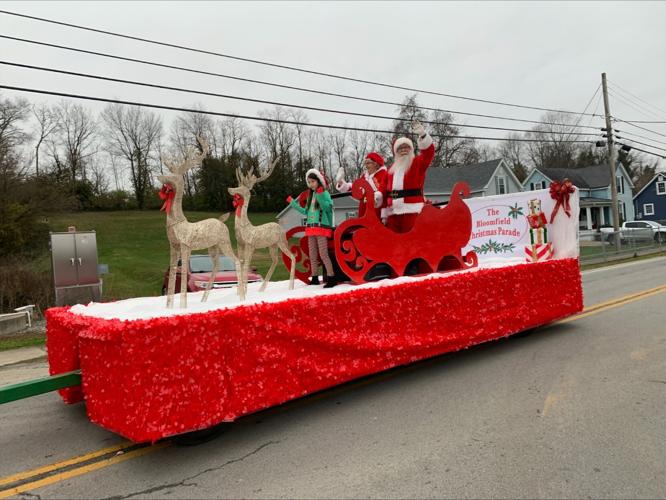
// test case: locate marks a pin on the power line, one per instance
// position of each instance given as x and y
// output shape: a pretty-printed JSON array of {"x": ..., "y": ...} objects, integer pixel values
[
  {"x": 263, "y": 119},
  {"x": 274, "y": 65},
  {"x": 638, "y": 142},
  {"x": 642, "y": 150},
  {"x": 272, "y": 84},
  {"x": 631, "y": 100},
  {"x": 585, "y": 109},
  {"x": 629, "y": 104},
  {"x": 624, "y": 132},
  {"x": 638, "y": 126},
  {"x": 634, "y": 95},
  {"x": 247, "y": 99}
]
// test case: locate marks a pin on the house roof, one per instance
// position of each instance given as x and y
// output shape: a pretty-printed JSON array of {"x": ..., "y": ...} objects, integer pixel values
[
  {"x": 441, "y": 180},
  {"x": 597, "y": 176},
  {"x": 656, "y": 176}
]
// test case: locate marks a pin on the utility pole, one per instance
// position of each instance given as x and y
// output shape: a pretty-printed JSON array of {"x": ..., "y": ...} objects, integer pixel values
[{"x": 611, "y": 163}]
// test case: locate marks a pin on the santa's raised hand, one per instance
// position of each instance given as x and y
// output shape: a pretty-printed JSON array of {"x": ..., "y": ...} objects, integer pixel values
[{"x": 418, "y": 129}]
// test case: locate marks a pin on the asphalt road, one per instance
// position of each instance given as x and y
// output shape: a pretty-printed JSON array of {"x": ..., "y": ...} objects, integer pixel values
[{"x": 574, "y": 410}]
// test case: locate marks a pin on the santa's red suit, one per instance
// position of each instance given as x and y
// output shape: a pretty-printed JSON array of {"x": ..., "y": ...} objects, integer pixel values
[{"x": 404, "y": 189}]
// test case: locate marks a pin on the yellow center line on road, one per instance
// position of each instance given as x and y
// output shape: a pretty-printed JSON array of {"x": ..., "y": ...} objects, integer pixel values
[
  {"x": 65, "y": 463},
  {"x": 610, "y": 304},
  {"x": 84, "y": 469},
  {"x": 80, "y": 470}
]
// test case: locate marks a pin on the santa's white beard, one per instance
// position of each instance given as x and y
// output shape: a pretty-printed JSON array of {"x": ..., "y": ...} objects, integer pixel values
[{"x": 402, "y": 163}]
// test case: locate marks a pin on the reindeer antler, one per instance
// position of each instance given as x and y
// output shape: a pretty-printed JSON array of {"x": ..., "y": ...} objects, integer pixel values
[
  {"x": 168, "y": 161},
  {"x": 267, "y": 174}
]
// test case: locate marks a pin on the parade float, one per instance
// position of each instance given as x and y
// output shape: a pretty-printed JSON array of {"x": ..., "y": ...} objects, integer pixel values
[{"x": 488, "y": 268}]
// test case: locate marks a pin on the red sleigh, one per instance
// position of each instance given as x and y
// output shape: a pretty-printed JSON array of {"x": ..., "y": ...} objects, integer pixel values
[{"x": 362, "y": 245}]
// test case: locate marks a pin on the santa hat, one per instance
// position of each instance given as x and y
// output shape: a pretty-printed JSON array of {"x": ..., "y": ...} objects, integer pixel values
[
  {"x": 319, "y": 175},
  {"x": 400, "y": 141},
  {"x": 376, "y": 158}
]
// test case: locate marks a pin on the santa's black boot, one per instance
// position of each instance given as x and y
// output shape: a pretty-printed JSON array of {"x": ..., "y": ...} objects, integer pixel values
[
  {"x": 314, "y": 280},
  {"x": 331, "y": 281}
]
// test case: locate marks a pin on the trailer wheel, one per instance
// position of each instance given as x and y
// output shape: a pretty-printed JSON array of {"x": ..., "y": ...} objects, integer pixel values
[
  {"x": 524, "y": 333},
  {"x": 201, "y": 436}
]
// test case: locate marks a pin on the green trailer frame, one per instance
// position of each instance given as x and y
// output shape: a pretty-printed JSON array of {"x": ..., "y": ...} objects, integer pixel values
[{"x": 39, "y": 386}]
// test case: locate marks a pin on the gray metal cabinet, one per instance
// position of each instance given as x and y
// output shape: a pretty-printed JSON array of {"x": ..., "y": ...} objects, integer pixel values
[{"x": 74, "y": 259}]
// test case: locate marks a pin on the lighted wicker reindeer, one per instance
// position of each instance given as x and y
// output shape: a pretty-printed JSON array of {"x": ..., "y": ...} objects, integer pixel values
[
  {"x": 184, "y": 236},
  {"x": 250, "y": 238}
]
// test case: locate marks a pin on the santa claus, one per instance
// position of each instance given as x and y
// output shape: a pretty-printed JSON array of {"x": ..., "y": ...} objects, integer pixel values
[
  {"x": 404, "y": 190},
  {"x": 375, "y": 173}
]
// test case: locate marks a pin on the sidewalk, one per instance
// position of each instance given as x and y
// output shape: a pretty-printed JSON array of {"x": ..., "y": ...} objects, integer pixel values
[
  {"x": 24, "y": 363},
  {"x": 21, "y": 355}
]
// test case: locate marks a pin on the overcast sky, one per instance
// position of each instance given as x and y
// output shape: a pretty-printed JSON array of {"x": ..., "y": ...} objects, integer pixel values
[{"x": 533, "y": 53}]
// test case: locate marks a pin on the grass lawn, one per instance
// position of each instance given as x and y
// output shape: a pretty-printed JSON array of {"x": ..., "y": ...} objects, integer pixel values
[
  {"x": 23, "y": 341},
  {"x": 135, "y": 246}
]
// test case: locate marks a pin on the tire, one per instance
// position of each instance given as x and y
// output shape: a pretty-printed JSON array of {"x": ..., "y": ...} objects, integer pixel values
[
  {"x": 659, "y": 238},
  {"x": 524, "y": 333},
  {"x": 611, "y": 239},
  {"x": 202, "y": 436}
]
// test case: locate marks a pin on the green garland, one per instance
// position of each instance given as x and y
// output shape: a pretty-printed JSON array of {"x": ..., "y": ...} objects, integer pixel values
[{"x": 494, "y": 247}]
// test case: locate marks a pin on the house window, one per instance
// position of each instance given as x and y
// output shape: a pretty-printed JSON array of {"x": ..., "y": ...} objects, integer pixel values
[
  {"x": 304, "y": 221},
  {"x": 648, "y": 209},
  {"x": 661, "y": 187},
  {"x": 538, "y": 185},
  {"x": 532, "y": 188},
  {"x": 350, "y": 215},
  {"x": 501, "y": 185},
  {"x": 620, "y": 185}
]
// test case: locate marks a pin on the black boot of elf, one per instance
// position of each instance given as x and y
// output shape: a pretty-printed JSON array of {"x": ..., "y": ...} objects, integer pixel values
[
  {"x": 314, "y": 280},
  {"x": 331, "y": 281}
]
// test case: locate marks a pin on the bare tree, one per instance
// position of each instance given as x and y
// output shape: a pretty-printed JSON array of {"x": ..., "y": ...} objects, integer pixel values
[
  {"x": 12, "y": 113},
  {"x": 514, "y": 153},
  {"x": 321, "y": 149},
  {"x": 184, "y": 132},
  {"x": 47, "y": 124},
  {"x": 277, "y": 138},
  {"x": 338, "y": 140},
  {"x": 134, "y": 135},
  {"x": 75, "y": 139},
  {"x": 361, "y": 143},
  {"x": 231, "y": 132},
  {"x": 550, "y": 148}
]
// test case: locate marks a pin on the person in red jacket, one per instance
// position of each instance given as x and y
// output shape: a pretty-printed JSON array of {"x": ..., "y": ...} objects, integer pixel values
[
  {"x": 404, "y": 190},
  {"x": 376, "y": 175}
]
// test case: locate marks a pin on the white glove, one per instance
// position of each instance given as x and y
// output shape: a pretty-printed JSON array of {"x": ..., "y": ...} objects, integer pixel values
[
  {"x": 417, "y": 128},
  {"x": 378, "y": 198},
  {"x": 343, "y": 186},
  {"x": 340, "y": 175}
]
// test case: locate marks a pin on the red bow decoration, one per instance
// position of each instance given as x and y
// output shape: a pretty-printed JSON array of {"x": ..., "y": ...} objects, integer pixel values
[
  {"x": 237, "y": 203},
  {"x": 167, "y": 193},
  {"x": 560, "y": 192}
]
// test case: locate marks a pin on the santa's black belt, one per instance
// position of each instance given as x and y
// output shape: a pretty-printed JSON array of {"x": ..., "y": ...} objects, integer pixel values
[{"x": 404, "y": 193}]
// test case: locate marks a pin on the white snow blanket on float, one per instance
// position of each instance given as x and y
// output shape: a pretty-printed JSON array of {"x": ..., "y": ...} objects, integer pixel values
[
  {"x": 224, "y": 298},
  {"x": 500, "y": 229}
]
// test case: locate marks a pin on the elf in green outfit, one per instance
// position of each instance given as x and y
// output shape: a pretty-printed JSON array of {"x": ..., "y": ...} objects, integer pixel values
[{"x": 319, "y": 225}]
